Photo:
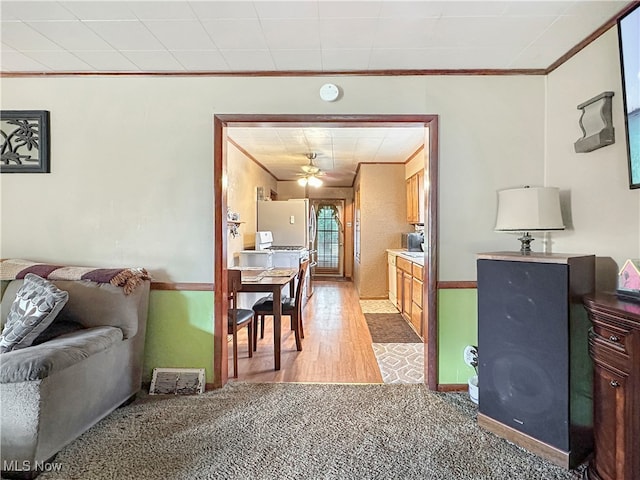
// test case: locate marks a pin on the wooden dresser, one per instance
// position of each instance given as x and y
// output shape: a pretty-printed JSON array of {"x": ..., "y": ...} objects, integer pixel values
[{"x": 614, "y": 345}]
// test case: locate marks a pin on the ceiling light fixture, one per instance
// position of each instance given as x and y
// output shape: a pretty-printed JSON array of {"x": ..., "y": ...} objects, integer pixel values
[{"x": 312, "y": 173}]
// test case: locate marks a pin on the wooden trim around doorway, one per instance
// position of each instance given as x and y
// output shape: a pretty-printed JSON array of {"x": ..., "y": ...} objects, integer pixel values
[{"x": 222, "y": 121}]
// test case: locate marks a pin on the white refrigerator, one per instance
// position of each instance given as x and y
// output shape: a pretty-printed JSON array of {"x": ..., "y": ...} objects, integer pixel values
[{"x": 291, "y": 221}]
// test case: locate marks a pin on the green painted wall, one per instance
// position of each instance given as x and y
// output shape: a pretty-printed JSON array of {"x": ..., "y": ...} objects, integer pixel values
[
  {"x": 179, "y": 331},
  {"x": 457, "y": 328}
]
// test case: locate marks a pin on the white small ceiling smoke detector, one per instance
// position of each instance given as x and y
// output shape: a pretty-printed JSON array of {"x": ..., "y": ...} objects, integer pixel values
[{"x": 329, "y": 92}]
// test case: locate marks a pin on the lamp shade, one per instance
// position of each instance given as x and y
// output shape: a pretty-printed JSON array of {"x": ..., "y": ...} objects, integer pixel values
[{"x": 529, "y": 209}]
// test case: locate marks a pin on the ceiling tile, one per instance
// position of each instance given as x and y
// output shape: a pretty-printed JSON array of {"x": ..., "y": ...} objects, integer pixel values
[
  {"x": 349, "y": 9},
  {"x": 537, "y": 8},
  {"x": 223, "y": 9},
  {"x": 297, "y": 59},
  {"x": 404, "y": 32},
  {"x": 100, "y": 10},
  {"x": 60, "y": 60},
  {"x": 33, "y": 11},
  {"x": 347, "y": 33},
  {"x": 154, "y": 61},
  {"x": 473, "y": 8},
  {"x": 126, "y": 35},
  {"x": 162, "y": 10},
  {"x": 248, "y": 60},
  {"x": 287, "y": 34},
  {"x": 334, "y": 59},
  {"x": 71, "y": 35},
  {"x": 488, "y": 31},
  {"x": 298, "y": 9},
  {"x": 22, "y": 37},
  {"x": 180, "y": 34},
  {"x": 106, "y": 61},
  {"x": 245, "y": 33},
  {"x": 13, "y": 61},
  {"x": 201, "y": 60},
  {"x": 411, "y": 9}
]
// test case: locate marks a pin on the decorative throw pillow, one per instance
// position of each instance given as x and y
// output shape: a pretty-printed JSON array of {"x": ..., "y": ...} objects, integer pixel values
[{"x": 37, "y": 303}]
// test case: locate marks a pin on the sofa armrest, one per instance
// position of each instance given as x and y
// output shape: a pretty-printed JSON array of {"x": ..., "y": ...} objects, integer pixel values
[{"x": 40, "y": 361}]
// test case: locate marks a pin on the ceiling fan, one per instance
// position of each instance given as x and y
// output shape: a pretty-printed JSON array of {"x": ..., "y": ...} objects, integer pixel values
[{"x": 311, "y": 173}]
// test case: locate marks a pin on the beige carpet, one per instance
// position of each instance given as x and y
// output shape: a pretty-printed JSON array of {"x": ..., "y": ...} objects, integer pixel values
[{"x": 299, "y": 431}]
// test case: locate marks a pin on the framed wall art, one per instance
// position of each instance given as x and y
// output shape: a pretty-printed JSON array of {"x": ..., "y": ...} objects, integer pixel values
[{"x": 24, "y": 141}]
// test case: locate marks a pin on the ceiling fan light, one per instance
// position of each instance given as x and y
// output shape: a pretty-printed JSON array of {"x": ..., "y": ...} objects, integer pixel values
[
  {"x": 302, "y": 181},
  {"x": 314, "y": 181}
]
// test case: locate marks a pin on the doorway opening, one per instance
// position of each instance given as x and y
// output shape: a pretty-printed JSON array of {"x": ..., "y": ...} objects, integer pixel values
[{"x": 430, "y": 308}]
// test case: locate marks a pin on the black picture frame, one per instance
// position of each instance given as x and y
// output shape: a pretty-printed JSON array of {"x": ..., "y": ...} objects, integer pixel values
[
  {"x": 24, "y": 141},
  {"x": 629, "y": 45}
]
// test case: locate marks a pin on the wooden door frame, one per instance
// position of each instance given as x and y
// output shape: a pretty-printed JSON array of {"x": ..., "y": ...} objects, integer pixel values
[{"x": 223, "y": 121}]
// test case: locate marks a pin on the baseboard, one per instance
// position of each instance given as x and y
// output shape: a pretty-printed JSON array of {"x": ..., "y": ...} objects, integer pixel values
[
  {"x": 452, "y": 387},
  {"x": 546, "y": 451}
]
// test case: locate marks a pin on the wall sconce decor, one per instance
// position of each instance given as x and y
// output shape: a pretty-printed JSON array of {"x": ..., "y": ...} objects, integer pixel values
[
  {"x": 24, "y": 141},
  {"x": 233, "y": 222},
  {"x": 596, "y": 124},
  {"x": 528, "y": 209}
]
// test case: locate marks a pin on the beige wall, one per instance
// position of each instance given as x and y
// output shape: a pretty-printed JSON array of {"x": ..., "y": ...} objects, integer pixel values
[
  {"x": 244, "y": 178},
  {"x": 383, "y": 216},
  {"x": 131, "y": 157},
  {"x": 601, "y": 212}
]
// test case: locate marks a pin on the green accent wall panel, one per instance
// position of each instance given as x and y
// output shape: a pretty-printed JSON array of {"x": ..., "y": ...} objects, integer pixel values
[
  {"x": 457, "y": 328},
  {"x": 179, "y": 331}
]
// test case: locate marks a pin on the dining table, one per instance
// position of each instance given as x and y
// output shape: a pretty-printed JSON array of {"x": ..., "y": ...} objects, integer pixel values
[{"x": 270, "y": 281}]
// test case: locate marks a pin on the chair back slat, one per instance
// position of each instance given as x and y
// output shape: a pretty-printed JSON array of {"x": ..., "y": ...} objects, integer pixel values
[
  {"x": 302, "y": 276},
  {"x": 234, "y": 280}
]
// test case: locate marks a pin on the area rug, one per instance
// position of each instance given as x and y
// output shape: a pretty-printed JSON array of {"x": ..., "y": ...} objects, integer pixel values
[
  {"x": 299, "y": 431},
  {"x": 400, "y": 362},
  {"x": 377, "y": 306},
  {"x": 390, "y": 328}
]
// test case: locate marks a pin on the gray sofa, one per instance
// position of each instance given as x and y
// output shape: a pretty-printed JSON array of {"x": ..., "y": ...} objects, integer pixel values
[{"x": 52, "y": 392}]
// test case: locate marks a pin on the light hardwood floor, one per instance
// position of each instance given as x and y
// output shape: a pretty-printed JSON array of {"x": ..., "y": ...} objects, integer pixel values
[{"x": 336, "y": 348}]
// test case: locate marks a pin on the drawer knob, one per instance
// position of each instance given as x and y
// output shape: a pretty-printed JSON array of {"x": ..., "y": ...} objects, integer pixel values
[
  {"x": 613, "y": 338},
  {"x": 614, "y": 384}
]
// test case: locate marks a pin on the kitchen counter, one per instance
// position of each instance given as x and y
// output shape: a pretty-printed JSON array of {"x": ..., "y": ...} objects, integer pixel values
[{"x": 415, "y": 257}]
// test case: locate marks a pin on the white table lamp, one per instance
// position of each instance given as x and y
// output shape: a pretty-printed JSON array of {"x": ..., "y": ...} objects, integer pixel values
[{"x": 528, "y": 209}]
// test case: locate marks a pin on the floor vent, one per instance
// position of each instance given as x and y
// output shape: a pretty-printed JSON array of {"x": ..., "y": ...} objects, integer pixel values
[{"x": 177, "y": 381}]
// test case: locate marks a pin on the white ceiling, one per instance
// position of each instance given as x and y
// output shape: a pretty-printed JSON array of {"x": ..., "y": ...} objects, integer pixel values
[
  {"x": 294, "y": 35},
  {"x": 339, "y": 151},
  {"x": 285, "y": 37}
]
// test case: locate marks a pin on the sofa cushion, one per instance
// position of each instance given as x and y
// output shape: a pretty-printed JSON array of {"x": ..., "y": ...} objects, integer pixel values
[
  {"x": 60, "y": 326},
  {"x": 41, "y": 361},
  {"x": 36, "y": 305}
]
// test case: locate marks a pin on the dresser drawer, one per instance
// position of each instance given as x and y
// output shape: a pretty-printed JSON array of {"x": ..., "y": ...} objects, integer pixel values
[
  {"x": 608, "y": 353},
  {"x": 612, "y": 336}
]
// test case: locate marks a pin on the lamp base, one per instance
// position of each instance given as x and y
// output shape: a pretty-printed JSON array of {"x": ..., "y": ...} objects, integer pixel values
[{"x": 525, "y": 245}]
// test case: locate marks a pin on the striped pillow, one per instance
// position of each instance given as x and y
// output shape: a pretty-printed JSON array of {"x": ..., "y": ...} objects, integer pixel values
[{"x": 36, "y": 305}]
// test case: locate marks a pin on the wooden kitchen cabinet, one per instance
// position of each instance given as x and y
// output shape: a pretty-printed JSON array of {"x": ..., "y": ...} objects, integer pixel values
[
  {"x": 416, "y": 297},
  {"x": 614, "y": 345},
  {"x": 409, "y": 283},
  {"x": 416, "y": 304},
  {"x": 399, "y": 289},
  {"x": 415, "y": 198},
  {"x": 393, "y": 287}
]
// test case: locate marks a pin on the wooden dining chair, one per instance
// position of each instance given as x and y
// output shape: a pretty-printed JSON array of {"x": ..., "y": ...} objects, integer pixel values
[
  {"x": 291, "y": 307},
  {"x": 238, "y": 318}
]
